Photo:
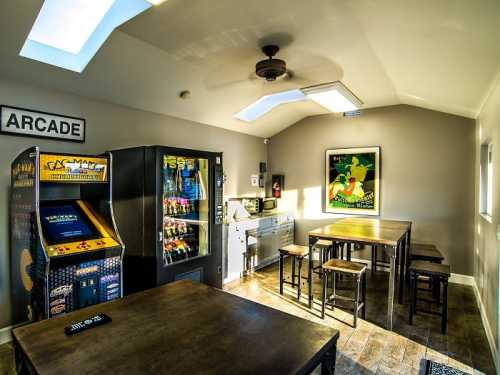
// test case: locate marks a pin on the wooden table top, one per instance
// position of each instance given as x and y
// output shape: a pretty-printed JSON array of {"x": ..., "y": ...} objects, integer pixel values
[
  {"x": 371, "y": 231},
  {"x": 384, "y": 223},
  {"x": 178, "y": 328}
]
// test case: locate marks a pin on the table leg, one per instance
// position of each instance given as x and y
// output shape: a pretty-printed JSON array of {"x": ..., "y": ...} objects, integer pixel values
[
  {"x": 282, "y": 259},
  {"x": 402, "y": 262},
  {"x": 312, "y": 241},
  {"x": 328, "y": 361},
  {"x": 392, "y": 283}
]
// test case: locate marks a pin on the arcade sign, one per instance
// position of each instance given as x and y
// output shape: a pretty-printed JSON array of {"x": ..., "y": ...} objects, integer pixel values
[{"x": 30, "y": 123}]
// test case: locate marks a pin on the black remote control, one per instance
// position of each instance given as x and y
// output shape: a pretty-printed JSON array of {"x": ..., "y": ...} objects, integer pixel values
[{"x": 88, "y": 323}]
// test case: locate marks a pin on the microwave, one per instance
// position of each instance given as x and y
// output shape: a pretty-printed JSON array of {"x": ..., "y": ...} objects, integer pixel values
[{"x": 258, "y": 205}]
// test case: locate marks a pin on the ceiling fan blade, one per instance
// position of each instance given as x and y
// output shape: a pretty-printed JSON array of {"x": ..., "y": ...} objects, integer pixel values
[{"x": 268, "y": 103}]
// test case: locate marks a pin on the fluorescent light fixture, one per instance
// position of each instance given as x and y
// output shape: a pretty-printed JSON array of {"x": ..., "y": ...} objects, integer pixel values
[
  {"x": 68, "y": 33},
  {"x": 334, "y": 96},
  {"x": 68, "y": 24},
  {"x": 267, "y": 103},
  {"x": 156, "y": 2}
]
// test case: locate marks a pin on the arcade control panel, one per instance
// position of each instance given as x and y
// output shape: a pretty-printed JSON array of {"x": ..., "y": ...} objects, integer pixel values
[{"x": 81, "y": 246}]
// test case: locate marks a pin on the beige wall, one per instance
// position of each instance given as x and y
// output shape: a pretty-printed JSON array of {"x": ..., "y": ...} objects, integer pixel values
[
  {"x": 427, "y": 165},
  {"x": 486, "y": 241},
  {"x": 109, "y": 127}
]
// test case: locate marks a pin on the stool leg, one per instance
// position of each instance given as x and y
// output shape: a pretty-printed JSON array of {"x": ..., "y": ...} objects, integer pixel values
[
  {"x": 323, "y": 294},
  {"x": 363, "y": 295},
  {"x": 356, "y": 302},
  {"x": 412, "y": 297},
  {"x": 334, "y": 294},
  {"x": 444, "y": 322},
  {"x": 282, "y": 258},
  {"x": 349, "y": 250},
  {"x": 374, "y": 259},
  {"x": 300, "y": 279},
  {"x": 293, "y": 271},
  {"x": 321, "y": 261}
]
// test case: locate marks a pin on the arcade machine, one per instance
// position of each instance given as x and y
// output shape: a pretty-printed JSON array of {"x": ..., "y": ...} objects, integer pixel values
[
  {"x": 169, "y": 210},
  {"x": 65, "y": 249}
]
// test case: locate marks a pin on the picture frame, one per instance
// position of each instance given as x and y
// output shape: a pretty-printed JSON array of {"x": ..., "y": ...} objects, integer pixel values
[{"x": 352, "y": 181}]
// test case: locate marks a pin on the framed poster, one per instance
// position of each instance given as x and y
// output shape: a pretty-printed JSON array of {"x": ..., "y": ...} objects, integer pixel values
[{"x": 352, "y": 181}]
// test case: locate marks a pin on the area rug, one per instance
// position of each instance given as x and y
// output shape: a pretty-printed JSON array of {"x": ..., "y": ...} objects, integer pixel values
[{"x": 434, "y": 368}]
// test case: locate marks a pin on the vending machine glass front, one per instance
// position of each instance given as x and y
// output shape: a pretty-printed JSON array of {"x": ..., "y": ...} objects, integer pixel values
[{"x": 185, "y": 208}]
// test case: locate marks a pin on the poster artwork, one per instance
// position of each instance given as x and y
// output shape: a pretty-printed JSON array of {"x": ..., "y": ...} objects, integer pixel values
[{"x": 352, "y": 181}]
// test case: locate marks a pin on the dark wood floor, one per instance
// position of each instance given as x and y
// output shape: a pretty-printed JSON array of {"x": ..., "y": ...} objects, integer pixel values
[{"x": 366, "y": 350}]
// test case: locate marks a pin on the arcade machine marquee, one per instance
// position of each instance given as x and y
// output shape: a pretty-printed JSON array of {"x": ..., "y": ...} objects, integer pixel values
[{"x": 66, "y": 250}]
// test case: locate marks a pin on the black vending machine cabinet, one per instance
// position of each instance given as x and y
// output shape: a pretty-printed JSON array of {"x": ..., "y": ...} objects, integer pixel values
[
  {"x": 169, "y": 210},
  {"x": 66, "y": 252}
]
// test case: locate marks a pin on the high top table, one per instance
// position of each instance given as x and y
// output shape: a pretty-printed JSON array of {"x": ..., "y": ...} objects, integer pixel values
[
  {"x": 179, "y": 328},
  {"x": 392, "y": 235}
]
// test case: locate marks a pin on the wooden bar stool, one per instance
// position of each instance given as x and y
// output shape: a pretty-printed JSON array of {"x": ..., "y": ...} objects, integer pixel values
[
  {"x": 325, "y": 248},
  {"x": 344, "y": 267},
  {"x": 297, "y": 252},
  {"x": 438, "y": 274},
  {"x": 428, "y": 252}
]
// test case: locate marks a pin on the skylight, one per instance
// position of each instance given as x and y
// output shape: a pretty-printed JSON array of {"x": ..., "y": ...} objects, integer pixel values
[
  {"x": 267, "y": 103},
  {"x": 68, "y": 33},
  {"x": 68, "y": 24}
]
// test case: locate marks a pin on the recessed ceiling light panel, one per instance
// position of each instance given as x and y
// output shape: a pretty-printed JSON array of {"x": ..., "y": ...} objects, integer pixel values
[
  {"x": 333, "y": 96},
  {"x": 156, "y": 2}
]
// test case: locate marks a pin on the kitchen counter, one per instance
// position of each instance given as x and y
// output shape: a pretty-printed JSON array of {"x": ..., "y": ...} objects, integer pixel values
[{"x": 253, "y": 242}]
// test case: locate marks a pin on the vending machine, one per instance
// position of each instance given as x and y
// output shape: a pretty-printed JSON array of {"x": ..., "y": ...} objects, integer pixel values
[
  {"x": 66, "y": 252},
  {"x": 169, "y": 210}
]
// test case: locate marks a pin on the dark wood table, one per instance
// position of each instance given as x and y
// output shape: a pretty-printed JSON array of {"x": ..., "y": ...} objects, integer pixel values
[
  {"x": 179, "y": 328},
  {"x": 391, "y": 235}
]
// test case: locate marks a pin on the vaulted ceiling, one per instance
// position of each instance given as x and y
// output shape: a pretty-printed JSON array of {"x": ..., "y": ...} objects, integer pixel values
[{"x": 441, "y": 55}]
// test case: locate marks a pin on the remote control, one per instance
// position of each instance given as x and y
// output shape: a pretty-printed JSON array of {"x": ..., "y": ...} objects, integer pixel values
[{"x": 88, "y": 323}]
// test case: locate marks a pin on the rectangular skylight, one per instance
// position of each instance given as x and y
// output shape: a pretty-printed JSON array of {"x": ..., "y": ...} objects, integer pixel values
[
  {"x": 333, "y": 96},
  {"x": 68, "y": 24},
  {"x": 68, "y": 33},
  {"x": 267, "y": 103}
]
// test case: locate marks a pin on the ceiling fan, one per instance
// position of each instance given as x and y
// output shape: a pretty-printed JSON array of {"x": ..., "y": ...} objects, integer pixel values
[{"x": 334, "y": 96}]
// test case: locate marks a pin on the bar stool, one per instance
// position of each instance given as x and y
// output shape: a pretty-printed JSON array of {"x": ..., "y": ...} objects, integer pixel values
[
  {"x": 428, "y": 252},
  {"x": 438, "y": 274},
  {"x": 297, "y": 252},
  {"x": 355, "y": 269},
  {"x": 325, "y": 248}
]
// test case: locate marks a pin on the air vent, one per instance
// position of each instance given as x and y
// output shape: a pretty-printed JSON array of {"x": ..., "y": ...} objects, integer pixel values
[{"x": 352, "y": 113}]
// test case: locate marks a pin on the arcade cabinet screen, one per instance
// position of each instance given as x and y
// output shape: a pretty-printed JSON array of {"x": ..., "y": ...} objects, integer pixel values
[{"x": 65, "y": 224}]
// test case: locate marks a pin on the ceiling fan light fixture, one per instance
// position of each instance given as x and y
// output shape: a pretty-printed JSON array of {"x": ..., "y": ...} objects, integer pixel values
[{"x": 334, "y": 96}]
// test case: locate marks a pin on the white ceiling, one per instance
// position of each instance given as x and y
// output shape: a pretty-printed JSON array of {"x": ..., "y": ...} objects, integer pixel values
[{"x": 441, "y": 55}]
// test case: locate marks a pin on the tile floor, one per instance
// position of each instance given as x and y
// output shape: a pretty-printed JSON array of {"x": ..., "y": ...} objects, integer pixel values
[{"x": 370, "y": 349}]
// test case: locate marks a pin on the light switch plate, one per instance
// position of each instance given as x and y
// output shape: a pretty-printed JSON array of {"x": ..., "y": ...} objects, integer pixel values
[
  {"x": 254, "y": 180},
  {"x": 498, "y": 232}
]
